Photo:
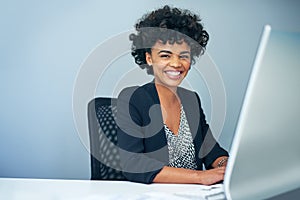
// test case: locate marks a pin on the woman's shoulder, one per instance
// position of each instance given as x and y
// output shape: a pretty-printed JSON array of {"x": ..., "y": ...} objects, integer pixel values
[
  {"x": 186, "y": 92},
  {"x": 144, "y": 93},
  {"x": 146, "y": 88}
]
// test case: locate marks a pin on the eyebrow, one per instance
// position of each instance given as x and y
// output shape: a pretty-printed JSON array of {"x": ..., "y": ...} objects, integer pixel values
[{"x": 170, "y": 52}]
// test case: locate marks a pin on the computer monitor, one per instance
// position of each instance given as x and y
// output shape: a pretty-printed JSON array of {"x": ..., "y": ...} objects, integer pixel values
[{"x": 265, "y": 153}]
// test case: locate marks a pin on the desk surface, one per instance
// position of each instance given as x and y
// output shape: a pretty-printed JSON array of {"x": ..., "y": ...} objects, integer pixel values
[{"x": 15, "y": 189}]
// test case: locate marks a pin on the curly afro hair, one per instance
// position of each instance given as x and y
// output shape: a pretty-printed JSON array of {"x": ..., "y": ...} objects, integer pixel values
[{"x": 167, "y": 25}]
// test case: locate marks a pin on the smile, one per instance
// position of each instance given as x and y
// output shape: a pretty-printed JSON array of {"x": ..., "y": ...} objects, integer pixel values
[{"x": 173, "y": 74}]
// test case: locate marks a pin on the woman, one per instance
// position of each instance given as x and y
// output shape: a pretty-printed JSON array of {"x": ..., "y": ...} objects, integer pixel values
[{"x": 163, "y": 135}]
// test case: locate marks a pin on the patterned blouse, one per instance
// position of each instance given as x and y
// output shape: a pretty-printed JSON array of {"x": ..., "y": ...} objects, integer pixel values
[{"x": 181, "y": 147}]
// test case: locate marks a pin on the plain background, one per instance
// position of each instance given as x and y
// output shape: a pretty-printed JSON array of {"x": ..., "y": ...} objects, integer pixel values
[{"x": 44, "y": 43}]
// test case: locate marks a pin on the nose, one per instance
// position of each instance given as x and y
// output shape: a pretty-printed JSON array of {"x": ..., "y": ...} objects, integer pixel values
[{"x": 175, "y": 61}]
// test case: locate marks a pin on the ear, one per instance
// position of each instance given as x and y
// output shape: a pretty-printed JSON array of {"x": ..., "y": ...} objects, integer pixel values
[{"x": 148, "y": 58}]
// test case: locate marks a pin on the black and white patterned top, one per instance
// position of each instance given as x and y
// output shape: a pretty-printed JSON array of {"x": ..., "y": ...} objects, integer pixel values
[{"x": 181, "y": 147}]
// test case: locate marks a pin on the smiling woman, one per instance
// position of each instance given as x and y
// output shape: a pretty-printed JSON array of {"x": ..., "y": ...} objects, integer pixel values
[{"x": 161, "y": 126}]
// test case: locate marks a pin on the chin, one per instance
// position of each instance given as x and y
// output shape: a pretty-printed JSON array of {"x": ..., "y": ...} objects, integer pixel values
[{"x": 173, "y": 83}]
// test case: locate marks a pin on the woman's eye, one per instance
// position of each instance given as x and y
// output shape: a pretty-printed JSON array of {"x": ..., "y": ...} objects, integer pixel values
[
  {"x": 185, "y": 57},
  {"x": 164, "y": 56}
]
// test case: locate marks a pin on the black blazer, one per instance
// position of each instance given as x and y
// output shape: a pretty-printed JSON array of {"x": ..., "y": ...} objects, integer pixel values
[{"x": 141, "y": 137}]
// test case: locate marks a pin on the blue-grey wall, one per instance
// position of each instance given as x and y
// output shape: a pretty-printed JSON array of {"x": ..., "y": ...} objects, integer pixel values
[{"x": 44, "y": 43}]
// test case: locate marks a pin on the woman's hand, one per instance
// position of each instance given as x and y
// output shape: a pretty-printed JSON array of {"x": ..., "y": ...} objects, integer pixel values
[
  {"x": 211, "y": 176},
  {"x": 220, "y": 162}
]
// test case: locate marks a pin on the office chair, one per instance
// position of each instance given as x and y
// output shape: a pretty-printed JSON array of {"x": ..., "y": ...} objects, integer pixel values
[{"x": 105, "y": 159}]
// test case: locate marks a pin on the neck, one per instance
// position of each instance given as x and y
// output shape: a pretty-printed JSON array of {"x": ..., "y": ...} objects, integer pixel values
[{"x": 167, "y": 94}]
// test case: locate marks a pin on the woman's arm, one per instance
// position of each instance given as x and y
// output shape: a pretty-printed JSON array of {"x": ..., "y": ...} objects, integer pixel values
[
  {"x": 138, "y": 163},
  {"x": 180, "y": 175},
  {"x": 206, "y": 177}
]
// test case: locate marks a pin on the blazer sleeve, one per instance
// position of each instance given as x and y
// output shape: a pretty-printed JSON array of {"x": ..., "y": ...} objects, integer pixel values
[
  {"x": 136, "y": 164},
  {"x": 210, "y": 149}
]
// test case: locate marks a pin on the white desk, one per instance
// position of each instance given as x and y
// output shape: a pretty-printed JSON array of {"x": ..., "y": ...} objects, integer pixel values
[{"x": 46, "y": 189}]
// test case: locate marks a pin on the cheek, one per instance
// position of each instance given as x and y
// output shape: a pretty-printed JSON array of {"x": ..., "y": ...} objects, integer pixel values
[
  {"x": 156, "y": 68},
  {"x": 187, "y": 65},
  {"x": 160, "y": 64}
]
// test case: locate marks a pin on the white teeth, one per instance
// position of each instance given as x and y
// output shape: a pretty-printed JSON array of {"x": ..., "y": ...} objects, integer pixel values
[{"x": 173, "y": 73}]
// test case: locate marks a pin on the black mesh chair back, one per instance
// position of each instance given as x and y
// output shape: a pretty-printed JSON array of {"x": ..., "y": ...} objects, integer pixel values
[{"x": 105, "y": 159}]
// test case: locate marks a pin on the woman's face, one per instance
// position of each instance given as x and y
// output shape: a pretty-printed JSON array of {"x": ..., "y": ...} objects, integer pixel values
[{"x": 170, "y": 62}]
